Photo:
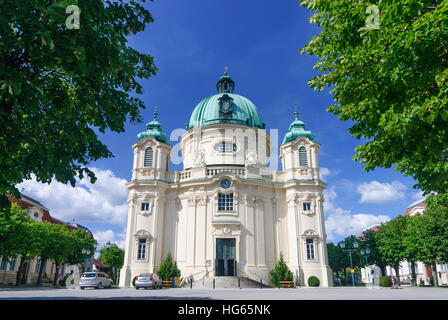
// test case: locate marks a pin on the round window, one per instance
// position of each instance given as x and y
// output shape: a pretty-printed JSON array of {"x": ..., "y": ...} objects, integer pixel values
[{"x": 36, "y": 214}]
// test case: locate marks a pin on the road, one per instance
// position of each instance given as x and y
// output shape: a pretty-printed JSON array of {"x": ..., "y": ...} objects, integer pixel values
[{"x": 407, "y": 293}]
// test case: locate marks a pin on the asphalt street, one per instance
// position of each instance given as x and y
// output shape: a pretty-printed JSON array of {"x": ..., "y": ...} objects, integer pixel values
[{"x": 406, "y": 293}]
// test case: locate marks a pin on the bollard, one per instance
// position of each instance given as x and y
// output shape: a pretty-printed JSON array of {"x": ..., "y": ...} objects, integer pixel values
[
  {"x": 239, "y": 286},
  {"x": 213, "y": 283},
  {"x": 191, "y": 283},
  {"x": 261, "y": 283},
  {"x": 173, "y": 282}
]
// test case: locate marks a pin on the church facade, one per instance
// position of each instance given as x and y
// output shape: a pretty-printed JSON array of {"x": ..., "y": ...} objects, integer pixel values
[{"x": 226, "y": 214}]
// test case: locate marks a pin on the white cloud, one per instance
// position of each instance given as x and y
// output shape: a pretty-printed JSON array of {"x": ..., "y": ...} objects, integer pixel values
[
  {"x": 103, "y": 201},
  {"x": 102, "y": 237},
  {"x": 324, "y": 173},
  {"x": 341, "y": 223},
  {"x": 376, "y": 192},
  {"x": 417, "y": 195}
]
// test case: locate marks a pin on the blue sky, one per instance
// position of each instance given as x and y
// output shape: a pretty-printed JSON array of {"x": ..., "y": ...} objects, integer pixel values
[{"x": 191, "y": 42}]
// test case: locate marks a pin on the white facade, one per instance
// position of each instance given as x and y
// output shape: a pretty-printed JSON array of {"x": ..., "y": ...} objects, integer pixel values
[{"x": 267, "y": 212}]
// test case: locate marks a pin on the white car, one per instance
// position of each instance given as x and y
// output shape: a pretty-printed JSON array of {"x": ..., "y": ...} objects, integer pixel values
[
  {"x": 95, "y": 280},
  {"x": 148, "y": 280}
]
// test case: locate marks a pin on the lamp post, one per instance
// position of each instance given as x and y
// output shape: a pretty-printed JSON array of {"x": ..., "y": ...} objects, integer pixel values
[
  {"x": 350, "y": 251},
  {"x": 87, "y": 253},
  {"x": 365, "y": 254}
]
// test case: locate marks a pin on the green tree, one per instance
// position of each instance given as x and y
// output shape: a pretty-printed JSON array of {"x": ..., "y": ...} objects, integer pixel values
[
  {"x": 390, "y": 78},
  {"x": 168, "y": 269},
  {"x": 337, "y": 259},
  {"x": 113, "y": 257},
  {"x": 12, "y": 233},
  {"x": 431, "y": 228},
  {"x": 390, "y": 242},
  {"x": 411, "y": 242},
  {"x": 59, "y": 87},
  {"x": 26, "y": 235},
  {"x": 280, "y": 272},
  {"x": 61, "y": 250}
]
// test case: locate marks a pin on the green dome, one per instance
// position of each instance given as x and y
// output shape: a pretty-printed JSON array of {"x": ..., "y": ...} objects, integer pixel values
[
  {"x": 225, "y": 107},
  {"x": 296, "y": 130},
  {"x": 154, "y": 129}
]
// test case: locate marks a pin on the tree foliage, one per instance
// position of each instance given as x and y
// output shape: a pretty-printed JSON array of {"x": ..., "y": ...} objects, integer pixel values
[
  {"x": 390, "y": 81},
  {"x": 390, "y": 242},
  {"x": 280, "y": 272},
  {"x": 60, "y": 86},
  {"x": 23, "y": 236}
]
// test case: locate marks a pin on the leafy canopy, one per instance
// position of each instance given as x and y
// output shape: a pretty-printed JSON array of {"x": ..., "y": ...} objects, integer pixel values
[
  {"x": 60, "y": 86},
  {"x": 392, "y": 82},
  {"x": 112, "y": 256},
  {"x": 390, "y": 239}
]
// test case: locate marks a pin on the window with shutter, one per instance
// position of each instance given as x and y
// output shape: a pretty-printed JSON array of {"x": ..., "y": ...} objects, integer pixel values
[
  {"x": 303, "y": 160},
  {"x": 148, "y": 157}
]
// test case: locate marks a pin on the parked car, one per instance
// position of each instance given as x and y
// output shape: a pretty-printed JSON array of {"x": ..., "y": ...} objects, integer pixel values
[
  {"x": 148, "y": 280},
  {"x": 95, "y": 280}
]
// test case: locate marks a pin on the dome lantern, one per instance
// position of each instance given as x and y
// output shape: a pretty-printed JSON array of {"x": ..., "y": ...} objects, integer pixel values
[
  {"x": 297, "y": 129},
  {"x": 153, "y": 129},
  {"x": 225, "y": 84}
]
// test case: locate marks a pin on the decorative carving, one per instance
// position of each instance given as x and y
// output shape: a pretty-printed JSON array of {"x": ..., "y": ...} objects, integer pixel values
[
  {"x": 226, "y": 229},
  {"x": 143, "y": 234},
  {"x": 191, "y": 202},
  {"x": 202, "y": 201},
  {"x": 250, "y": 201},
  {"x": 251, "y": 159},
  {"x": 310, "y": 233},
  {"x": 199, "y": 158}
]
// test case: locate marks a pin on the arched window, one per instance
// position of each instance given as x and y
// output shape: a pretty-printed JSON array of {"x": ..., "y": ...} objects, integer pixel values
[
  {"x": 303, "y": 160},
  {"x": 148, "y": 157}
]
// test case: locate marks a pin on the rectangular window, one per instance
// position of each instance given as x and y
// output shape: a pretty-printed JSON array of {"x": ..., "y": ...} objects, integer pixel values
[
  {"x": 12, "y": 265},
  {"x": 145, "y": 206},
  {"x": 38, "y": 263},
  {"x": 141, "y": 253},
  {"x": 226, "y": 147},
  {"x": 306, "y": 206},
  {"x": 310, "y": 249},
  {"x": 3, "y": 265},
  {"x": 225, "y": 202}
]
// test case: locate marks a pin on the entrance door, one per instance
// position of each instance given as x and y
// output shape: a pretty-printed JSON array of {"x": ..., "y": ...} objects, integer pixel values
[{"x": 225, "y": 257}]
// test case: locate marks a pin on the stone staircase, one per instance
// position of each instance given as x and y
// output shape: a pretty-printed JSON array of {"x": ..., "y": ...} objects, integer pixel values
[{"x": 227, "y": 282}]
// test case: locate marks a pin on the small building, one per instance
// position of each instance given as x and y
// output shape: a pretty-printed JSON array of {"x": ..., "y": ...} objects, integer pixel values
[{"x": 31, "y": 268}]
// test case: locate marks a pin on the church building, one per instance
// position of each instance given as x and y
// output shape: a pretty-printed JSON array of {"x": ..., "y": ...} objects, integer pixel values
[{"x": 226, "y": 214}]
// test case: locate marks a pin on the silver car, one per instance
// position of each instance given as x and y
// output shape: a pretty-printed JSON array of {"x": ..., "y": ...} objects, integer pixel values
[
  {"x": 148, "y": 280},
  {"x": 95, "y": 280}
]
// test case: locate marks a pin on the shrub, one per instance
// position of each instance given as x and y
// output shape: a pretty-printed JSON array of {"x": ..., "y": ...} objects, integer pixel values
[
  {"x": 386, "y": 281},
  {"x": 168, "y": 269},
  {"x": 313, "y": 281},
  {"x": 280, "y": 272}
]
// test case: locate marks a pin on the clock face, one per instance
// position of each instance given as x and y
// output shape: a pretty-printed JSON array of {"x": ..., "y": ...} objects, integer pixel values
[
  {"x": 225, "y": 183},
  {"x": 226, "y": 106}
]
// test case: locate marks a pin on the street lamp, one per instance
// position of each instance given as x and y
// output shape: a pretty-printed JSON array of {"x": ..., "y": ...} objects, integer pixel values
[
  {"x": 365, "y": 254},
  {"x": 350, "y": 251}
]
